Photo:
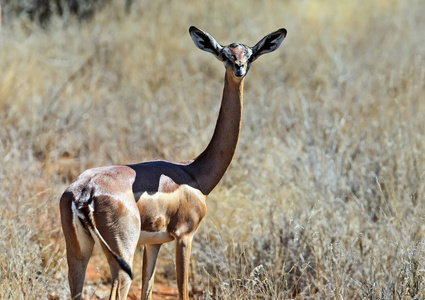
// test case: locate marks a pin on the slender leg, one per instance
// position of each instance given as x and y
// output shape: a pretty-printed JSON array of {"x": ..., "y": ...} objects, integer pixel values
[
  {"x": 79, "y": 247},
  {"x": 183, "y": 248},
  {"x": 77, "y": 265},
  {"x": 150, "y": 254},
  {"x": 121, "y": 281}
]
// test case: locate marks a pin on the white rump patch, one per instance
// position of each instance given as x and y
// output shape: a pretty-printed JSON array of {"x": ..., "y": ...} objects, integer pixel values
[{"x": 84, "y": 240}]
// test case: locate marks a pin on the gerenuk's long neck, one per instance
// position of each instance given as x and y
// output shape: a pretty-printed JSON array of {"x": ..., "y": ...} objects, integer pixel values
[{"x": 209, "y": 167}]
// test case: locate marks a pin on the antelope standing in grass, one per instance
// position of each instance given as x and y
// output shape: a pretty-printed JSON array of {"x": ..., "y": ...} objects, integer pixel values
[{"x": 151, "y": 203}]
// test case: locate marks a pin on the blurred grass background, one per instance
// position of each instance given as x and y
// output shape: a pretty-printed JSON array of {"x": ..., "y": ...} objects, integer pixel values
[{"x": 324, "y": 198}]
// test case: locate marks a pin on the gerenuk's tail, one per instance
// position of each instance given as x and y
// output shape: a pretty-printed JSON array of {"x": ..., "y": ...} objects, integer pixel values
[{"x": 84, "y": 210}]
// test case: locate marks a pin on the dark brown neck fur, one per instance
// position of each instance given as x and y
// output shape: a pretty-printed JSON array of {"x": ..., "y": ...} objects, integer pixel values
[{"x": 209, "y": 167}]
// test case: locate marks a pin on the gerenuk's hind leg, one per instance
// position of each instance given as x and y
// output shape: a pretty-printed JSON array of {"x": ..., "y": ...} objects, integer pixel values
[
  {"x": 121, "y": 280},
  {"x": 79, "y": 247},
  {"x": 77, "y": 265},
  {"x": 120, "y": 229}
]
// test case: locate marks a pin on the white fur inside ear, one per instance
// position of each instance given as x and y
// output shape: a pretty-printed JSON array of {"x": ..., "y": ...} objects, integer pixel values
[
  {"x": 227, "y": 52},
  {"x": 248, "y": 53},
  {"x": 205, "y": 41},
  {"x": 216, "y": 45},
  {"x": 269, "y": 43}
]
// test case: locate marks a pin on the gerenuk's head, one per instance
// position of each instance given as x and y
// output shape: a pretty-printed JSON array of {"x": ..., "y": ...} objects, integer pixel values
[{"x": 237, "y": 58}]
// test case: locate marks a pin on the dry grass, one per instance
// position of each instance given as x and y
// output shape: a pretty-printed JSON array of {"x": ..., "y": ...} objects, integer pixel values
[{"x": 324, "y": 198}]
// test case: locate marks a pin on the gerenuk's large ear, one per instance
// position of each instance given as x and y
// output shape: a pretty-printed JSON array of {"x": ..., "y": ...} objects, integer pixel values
[
  {"x": 205, "y": 42},
  {"x": 268, "y": 43}
]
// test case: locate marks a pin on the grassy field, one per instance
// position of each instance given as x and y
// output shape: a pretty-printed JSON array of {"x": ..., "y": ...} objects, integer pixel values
[{"x": 325, "y": 196}]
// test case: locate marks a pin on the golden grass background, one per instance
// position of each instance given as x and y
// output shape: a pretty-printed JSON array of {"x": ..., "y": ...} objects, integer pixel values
[{"x": 325, "y": 196}]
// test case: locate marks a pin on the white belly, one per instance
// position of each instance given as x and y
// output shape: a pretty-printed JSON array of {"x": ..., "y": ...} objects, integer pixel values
[{"x": 156, "y": 237}]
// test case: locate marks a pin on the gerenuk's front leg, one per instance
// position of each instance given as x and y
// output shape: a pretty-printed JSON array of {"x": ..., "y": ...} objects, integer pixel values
[
  {"x": 150, "y": 255},
  {"x": 183, "y": 248}
]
